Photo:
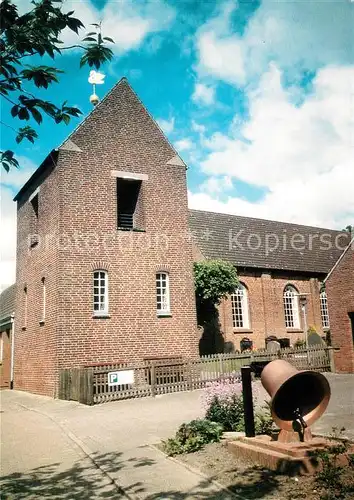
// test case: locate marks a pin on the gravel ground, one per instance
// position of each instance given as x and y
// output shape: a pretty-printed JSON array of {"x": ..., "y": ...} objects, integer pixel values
[{"x": 248, "y": 481}]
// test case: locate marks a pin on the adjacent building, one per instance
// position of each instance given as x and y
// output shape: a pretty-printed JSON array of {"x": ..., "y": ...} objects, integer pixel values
[
  {"x": 105, "y": 252},
  {"x": 340, "y": 290}
]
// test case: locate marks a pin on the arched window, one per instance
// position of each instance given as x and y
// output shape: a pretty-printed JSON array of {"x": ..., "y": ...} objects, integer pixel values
[
  {"x": 162, "y": 294},
  {"x": 324, "y": 310},
  {"x": 100, "y": 292},
  {"x": 291, "y": 307},
  {"x": 239, "y": 304}
]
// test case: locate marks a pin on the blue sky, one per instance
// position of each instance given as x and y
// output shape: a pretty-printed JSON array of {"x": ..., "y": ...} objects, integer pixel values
[{"x": 256, "y": 96}]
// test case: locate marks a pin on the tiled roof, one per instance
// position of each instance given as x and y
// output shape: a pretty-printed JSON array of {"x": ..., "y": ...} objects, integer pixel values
[
  {"x": 264, "y": 244},
  {"x": 7, "y": 301}
]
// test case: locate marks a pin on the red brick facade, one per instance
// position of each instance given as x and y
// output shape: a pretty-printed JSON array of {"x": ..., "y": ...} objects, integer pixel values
[
  {"x": 77, "y": 233},
  {"x": 266, "y": 311},
  {"x": 340, "y": 292}
]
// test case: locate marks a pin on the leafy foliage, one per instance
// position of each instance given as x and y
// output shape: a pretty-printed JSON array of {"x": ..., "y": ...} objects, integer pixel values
[
  {"x": 214, "y": 280},
  {"x": 193, "y": 436},
  {"x": 37, "y": 32},
  {"x": 7, "y": 160},
  {"x": 224, "y": 405}
]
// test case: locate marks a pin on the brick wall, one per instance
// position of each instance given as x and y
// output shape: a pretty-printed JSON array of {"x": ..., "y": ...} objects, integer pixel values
[
  {"x": 266, "y": 311},
  {"x": 35, "y": 366},
  {"x": 340, "y": 293}
]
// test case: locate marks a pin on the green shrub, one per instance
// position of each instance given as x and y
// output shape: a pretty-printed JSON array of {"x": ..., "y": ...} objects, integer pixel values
[
  {"x": 193, "y": 436},
  {"x": 336, "y": 481},
  {"x": 263, "y": 421},
  {"x": 228, "y": 412}
]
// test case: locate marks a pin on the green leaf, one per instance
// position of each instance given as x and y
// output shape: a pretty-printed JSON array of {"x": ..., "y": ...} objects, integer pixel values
[
  {"x": 23, "y": 113},
  {"x": 108, "y": 39},
  {"x": 36, "y": 115},
  {"x": 7, "y": 160}
]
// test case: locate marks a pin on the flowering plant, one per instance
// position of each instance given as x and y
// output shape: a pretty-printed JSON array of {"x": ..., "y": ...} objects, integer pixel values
[{"x": 223, "y": 403}]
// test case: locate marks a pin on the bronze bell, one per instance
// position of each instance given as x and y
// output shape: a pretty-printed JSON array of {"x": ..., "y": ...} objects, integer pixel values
[{"x": 296, "y": 396}]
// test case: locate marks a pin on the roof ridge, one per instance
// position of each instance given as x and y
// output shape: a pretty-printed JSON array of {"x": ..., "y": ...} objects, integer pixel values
[
  {"x": 265, "y": 220},
  {"x": 123, "y": 79},
  {"x": 350, "y": 245}
]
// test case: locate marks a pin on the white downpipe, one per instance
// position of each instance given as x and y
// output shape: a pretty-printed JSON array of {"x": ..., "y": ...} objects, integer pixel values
[{"x": 12, "y": 351}]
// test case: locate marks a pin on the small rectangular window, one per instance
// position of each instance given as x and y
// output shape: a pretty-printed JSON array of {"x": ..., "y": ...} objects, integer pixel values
[
  {"x": 100, "y": 293},
  {"x": 129, "y": 204},
  {"x": 33, "y": 221},
  {"x": 162, "y": 294}
]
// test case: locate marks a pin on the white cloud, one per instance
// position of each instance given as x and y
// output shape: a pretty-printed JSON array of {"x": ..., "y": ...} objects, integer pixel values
[
  {"x": 221, "y": 57},
  {"x": 184, "y": 144},
  {"x": 16, "y": 177},
  {"x": 11, "y": 182},
  {"x": 216, "y": 185},
  {"x": 166, "y": 125},
  {"x": 302, "y": 155},
  {"x": 128, "y": 23},
  {"x": 198, "y": 127},
  {"x": 8, "y": 240},
  {"x": 203, "y": 94},
  {"x": 295, "y": 35}
]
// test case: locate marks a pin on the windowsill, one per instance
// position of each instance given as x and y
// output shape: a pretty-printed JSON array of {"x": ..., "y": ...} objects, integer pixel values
[
  {"x": 42, "y": 322},
  {"x": 132, "y": 229},
  {"x": 101, "y": 316},
  {"x": 164, "y": 315},
  {"x": 242, "y": 330},
  {"x": 295, "y": 330}
]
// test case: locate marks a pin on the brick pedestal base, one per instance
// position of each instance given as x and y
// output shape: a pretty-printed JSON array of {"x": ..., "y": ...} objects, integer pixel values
[{"x": 287, "y": 458}]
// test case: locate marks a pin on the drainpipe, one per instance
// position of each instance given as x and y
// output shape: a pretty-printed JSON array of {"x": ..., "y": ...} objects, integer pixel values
[{"x": 12, "y": 350}]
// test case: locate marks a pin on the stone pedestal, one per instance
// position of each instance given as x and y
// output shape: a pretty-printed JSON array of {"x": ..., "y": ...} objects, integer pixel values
[{"x": 292, "y": 458}]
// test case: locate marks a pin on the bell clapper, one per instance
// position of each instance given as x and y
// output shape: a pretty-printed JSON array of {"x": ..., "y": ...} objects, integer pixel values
[{"x": 299, "y": 424}]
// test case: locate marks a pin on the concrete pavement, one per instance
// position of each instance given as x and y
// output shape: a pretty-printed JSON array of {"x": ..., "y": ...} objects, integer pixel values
[
  {"x": 59, "y": 449},
  {"x": 56, "y": 449}
]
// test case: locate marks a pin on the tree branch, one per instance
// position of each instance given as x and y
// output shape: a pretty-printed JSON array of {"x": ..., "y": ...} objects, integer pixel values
[
  {"x": 12, "y": 102},
  {"x": 8, "y": 126}
]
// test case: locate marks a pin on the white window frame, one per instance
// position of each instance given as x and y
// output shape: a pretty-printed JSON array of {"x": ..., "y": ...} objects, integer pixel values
[
  {"x": 291, "y": 307},
  {"x": 100, "y": 298},
  {"x": 324, "y": 310},
  {"x": 239, "y": 307},
  {"x": 163, "y": 303}
]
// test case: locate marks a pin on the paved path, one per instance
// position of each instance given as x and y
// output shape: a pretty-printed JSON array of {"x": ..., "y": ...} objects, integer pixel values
[{"x": 64, "y": 450}]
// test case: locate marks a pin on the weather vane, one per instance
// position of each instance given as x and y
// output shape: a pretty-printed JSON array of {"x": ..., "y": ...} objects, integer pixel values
[{"x": 95, "y": 78}]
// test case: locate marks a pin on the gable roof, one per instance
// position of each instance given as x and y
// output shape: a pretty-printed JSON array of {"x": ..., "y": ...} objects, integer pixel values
[
  {"x": 264, "y": 244},
  {"x": 69, "y": 143},
  {"x": 336, "y": 264},
  {"x": 7, "y": 302}
]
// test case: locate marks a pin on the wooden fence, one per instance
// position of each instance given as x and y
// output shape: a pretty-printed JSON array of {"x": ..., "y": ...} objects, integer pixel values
[{"x": 90, "y": 384}]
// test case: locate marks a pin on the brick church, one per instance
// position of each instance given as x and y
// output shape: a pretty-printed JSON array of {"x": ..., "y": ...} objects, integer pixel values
[{"x": 105, "y": 251}]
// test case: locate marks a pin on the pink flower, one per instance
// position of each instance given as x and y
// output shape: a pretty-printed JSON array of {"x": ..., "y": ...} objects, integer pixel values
[{"x": 225, "y": 390}]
